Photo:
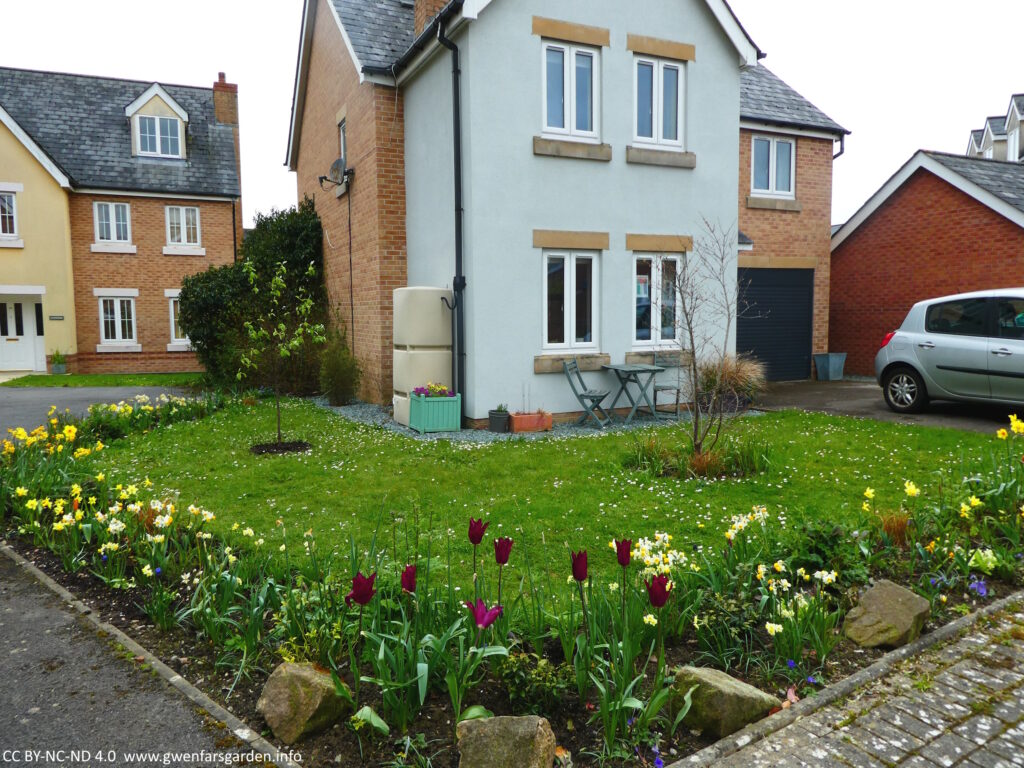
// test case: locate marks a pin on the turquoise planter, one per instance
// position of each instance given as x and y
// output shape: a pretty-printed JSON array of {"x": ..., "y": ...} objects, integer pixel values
[{"x": 435, "y": 414}]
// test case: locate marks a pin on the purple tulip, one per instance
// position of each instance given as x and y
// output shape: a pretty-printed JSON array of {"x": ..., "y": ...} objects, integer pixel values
[
  {"x": 623, "y": 550},
  {"x": 477, "y": 529},
  {"x": 579, "y": 565},
  {"x": 409, "y": 579},
  {"x": 657, "y": 590},
  {"x": 481, "y": 615},
  {"x": 502, "y": 549},
  {"x": 362, "y": 589}
]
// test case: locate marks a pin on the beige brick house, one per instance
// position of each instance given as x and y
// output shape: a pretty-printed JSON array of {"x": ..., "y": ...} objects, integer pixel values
[{"x": 111, "y": 192}]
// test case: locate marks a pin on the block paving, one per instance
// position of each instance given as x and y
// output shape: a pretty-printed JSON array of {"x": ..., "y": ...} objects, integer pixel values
[{"x": 958, "y": 704}]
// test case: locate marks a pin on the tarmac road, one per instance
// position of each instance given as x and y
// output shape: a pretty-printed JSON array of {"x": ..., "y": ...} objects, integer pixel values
[{"x": 27, "y": 406}]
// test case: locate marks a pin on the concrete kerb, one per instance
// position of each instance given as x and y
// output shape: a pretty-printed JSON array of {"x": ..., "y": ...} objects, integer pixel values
[
  {"x": 239, "y": 729},
  {"x": 762, "y": 729}
]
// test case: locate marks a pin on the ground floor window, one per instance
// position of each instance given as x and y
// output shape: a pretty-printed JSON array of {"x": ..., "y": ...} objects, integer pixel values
[
  {"x": 117, "y": 320},
  {"x": 570, "y": 299},
  {"x": 655, "y": 284},
  {"x": 177, "y": 335}
]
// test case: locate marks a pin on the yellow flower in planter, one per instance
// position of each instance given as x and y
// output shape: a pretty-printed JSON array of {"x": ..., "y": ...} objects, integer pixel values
[{"x": 911, "y": 489}]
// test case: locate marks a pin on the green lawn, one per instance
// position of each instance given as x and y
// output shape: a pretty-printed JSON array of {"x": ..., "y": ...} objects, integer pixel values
[
  {"x": 546, "y": 494},
  {"x": 106, "y": 380}
]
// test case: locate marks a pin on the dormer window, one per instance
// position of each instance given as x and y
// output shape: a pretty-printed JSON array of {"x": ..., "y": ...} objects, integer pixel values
[
  {"x": 160, "y": 136},
  {"x": 158, "y": 124}
]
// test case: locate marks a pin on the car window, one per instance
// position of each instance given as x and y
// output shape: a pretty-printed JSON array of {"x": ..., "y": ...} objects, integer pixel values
[
  {"x": 1010, "y": 318},
  {"x": 962, "y": 317}
]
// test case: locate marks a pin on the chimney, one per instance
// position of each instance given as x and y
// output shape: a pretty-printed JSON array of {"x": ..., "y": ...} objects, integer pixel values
[
  {"x": 225, "y": 101},
  {"x": 425, "y": 12}
]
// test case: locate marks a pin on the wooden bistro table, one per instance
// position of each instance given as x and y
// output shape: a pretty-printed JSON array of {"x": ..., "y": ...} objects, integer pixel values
[{"x": 640, "y": 374}]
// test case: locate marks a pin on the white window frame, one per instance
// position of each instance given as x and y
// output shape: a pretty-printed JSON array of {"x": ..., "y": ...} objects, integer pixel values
[
  {"x": 119, "y": 343},
  {"x": 183, "y": 243},
  {"x": 774, "y": 141},
  {"x": 569, "y": 315},
  {"x": 113, "y": 239},
  {"x": 1013, "y": 144},
  {"x": 657, "y": 261},
  {"x": 9, "y": 190},
  {"x": 177, "y": 343},
  {"x": 158, "y": 153},
  {"x": 657, "y": 117},
  {"x": 570, "y": 132}
]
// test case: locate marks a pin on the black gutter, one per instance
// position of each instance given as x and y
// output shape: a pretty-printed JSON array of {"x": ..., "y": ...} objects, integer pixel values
[
  {"x": 428, "y": 34},
  {"x": 459, "y": 282},
  {"x": 835, "y": 128}
]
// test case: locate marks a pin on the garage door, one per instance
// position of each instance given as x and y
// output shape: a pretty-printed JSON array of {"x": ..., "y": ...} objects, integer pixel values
[{"x": 776, "y": 317}]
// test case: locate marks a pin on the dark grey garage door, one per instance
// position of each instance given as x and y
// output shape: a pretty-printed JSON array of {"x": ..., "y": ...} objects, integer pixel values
[{"x": 776, "y": 316}]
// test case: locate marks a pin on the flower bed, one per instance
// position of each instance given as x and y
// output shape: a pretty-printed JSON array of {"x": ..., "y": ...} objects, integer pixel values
[{"x": 594, "y": 656}]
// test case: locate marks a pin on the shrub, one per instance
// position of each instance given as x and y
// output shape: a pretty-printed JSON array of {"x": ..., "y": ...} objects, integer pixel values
[
  {"x": 213, "y": 310},
  {"x": 339, "y": 370},
  {"x": 732, "y": 380}
]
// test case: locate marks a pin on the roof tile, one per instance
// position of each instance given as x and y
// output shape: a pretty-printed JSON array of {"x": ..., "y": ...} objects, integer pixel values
[{"x": 765, "y": 97}]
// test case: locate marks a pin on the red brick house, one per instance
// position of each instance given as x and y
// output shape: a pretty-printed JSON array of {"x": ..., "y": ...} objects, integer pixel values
[
  {"x": 114, "y": 190},
  {"x": 943, "y": 224}
]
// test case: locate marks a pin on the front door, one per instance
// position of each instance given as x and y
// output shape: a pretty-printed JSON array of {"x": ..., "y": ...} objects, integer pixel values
[
  {"x": 1006, "y": 351},
  {"x": 17, "y": 334}
]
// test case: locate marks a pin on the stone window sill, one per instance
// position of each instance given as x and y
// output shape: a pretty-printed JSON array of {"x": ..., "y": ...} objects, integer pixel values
[
  {"x": 668, "y": 358},
  {"x": 774, "y": 204},
  {"x": 552, "y": 363},
  {"x": 11, "y": 243},
  {"x": 663, "y": 157},
  {"x": 114, "y": 348},
  {"x": 113, "y": 248},
  {"x": 578, "y": 150},
  {"x": 179, "y": 346},
  {"x": 184, "y": 250}
]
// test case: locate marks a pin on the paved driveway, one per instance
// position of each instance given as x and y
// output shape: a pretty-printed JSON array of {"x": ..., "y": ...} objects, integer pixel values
[
  {"x": 27, "y": 407},
  {"x": 864, "y": 398}
]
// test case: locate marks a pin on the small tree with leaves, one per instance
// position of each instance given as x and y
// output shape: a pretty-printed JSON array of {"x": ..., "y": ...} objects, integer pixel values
[{"x": 282, "y": 325}]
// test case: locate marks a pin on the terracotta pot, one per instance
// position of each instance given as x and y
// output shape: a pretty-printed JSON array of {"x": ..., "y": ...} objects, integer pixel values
[{"x": 531, "y": 422}]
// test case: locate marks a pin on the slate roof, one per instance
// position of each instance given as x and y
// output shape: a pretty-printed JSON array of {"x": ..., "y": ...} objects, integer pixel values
[
  {"x": 380, "y": 30},
  {"x": 1018, "y": 99},
  {"x": 766, "y": 98},
  {"x": 1002, "y": 179},
  {"x": 997, "y": 125},
  {"x": 977, "y": 136},
  {"x": 79, "y": 122}
]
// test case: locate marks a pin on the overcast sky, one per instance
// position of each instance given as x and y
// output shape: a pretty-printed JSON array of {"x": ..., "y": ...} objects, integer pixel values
[{"x": 900, "y": 74}]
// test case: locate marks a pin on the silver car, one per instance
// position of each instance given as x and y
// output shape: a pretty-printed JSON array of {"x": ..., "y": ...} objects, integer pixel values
[{"x": 967, "y": 347}]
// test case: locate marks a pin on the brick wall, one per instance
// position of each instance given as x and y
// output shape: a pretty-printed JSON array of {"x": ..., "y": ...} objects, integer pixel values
[
  {"x": 148, "y": 270},
  {"x": 425, "y": 11},
  {"x": 375, "y": 135},
  {"x": 928, "y": 239},
  {"x": 225, "y": 110},
  {"x": 780, "y": 237}
]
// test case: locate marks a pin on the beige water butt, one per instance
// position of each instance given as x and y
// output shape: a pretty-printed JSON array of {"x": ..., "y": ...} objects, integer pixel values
[{"x": 422, "y": 344}]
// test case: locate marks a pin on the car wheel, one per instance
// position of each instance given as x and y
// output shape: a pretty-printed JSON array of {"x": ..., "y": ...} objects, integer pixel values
[{"x": 904, "y": 391}]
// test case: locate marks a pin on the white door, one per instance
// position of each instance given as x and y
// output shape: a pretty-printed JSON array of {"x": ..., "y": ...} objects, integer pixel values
[{"x": 17, "y": 334}]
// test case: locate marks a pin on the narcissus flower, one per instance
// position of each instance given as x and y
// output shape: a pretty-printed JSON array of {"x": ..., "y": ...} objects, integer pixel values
[
  {"x": 483, "y": 616},
  {"x": 658, "y": 589},
  {"x": 651, "y": 620},
  {"x": 1002, "y": 434},
  {"x": 579, "y": 564},
  {"x": 773, "y": 629},
  {"x": 477, "y": 529},
  {"x": 362, "y": 589},
  {"x": 911, "y": 489},
  {"x": 502, "y": 549},
  {"x": 869, "y": 493},
  {"x": 974, "y": 501},
  {"x": 409, "y": 579}
]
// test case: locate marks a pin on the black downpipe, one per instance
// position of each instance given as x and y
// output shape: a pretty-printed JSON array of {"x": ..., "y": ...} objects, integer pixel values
[{"x": 459, "y": 283}]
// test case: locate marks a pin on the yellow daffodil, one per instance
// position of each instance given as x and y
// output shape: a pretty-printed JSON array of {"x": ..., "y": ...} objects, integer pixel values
[
  {"x": 147, "y": 571},
  {"x": 773, "y": 629},
  {"x": 1002, "y": 434},
  {"x": 651, "y": 620},
  {"x": 869, "y": 493},
  {"x": 780, "y": 567},
  {"x": 974, "y": 501},
  {"x": 911, "y": 489},
  {"x": 761, "y": 571},
  {"x": 20, "y": 491},
  {"x": 100, "y": 477},
  {"x": 931, "y": 546}
]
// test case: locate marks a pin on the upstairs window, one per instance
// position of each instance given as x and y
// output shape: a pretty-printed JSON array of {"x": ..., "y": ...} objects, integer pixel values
[
  {"x": 571, "y": 91},
  {"x": 182, "y": 225},
  {"x": 8, "y": 217},
  {"x": 773, "y": 167},
  {"x": 159, "y": 136},
  {"x": 658, "y": 87},
  {"x": 112, "y": 223}
]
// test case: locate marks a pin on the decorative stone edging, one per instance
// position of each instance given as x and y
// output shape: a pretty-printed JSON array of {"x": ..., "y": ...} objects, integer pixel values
[
  {"x": 240, "y": 730},
  {"x": 762, "y": 729}
]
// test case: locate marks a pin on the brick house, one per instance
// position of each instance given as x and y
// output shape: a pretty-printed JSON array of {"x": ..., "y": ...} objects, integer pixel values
[
  {"x": 787, "y": 146},
  {"x": 112, "y": 191},
  {"x": 592, "y": 144},
  {"x": 943, "y": 224}
]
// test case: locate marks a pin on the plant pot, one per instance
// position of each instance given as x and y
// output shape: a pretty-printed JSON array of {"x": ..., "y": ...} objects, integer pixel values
[
  {"x": 58, "y": 368},
  {"x": 830, "y": 366},
  {"x": 531, "y": 422},
  {"x": 497, "y": 421},
  {"x": 435, "y": 414}
]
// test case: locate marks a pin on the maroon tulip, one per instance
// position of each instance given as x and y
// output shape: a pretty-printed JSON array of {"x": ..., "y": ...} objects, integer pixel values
[
  {"x": 622, "y": 551},
  {"x": 477, "y": 528},
  {"x": 579, "y": 564},
  {"x": 362, "y": 589},
  {"x": 502, "y": 549},
  {"x": 657, "y": 590},
  {"x": 409, "y": 579},
  {"x": 481, "y": 615}
]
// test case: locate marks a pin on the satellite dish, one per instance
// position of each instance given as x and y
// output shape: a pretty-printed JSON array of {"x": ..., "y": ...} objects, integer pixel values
[{"x": 337, "y": 172}]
